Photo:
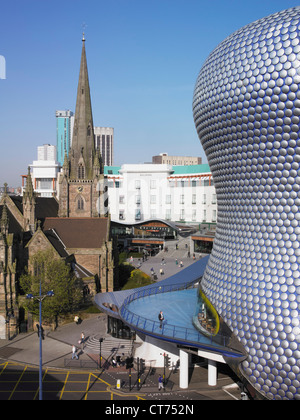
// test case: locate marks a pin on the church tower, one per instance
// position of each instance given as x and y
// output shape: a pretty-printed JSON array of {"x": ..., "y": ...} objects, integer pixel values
[{"x": 82, "y": 188}]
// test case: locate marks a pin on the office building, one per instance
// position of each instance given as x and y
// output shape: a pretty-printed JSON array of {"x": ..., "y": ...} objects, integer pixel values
[
  {"x": 104, "y": 141},
  {"x": 64, "y": 133},
  {"x": 44, "y": 171},
  {"x": 140, "y": 192},
  {"x": 165, "y": 159}
]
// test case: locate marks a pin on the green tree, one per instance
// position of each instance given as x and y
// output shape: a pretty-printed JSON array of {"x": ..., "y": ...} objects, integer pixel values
[{"x": 55, "y": 275}]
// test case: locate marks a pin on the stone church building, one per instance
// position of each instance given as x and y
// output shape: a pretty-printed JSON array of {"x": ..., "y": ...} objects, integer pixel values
[{"x": 76, "y": 225}]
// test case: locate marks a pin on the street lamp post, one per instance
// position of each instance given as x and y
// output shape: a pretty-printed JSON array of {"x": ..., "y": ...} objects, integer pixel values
[
  {"x": 40, "y": 298},
  {"x": 100, "y": 341}
]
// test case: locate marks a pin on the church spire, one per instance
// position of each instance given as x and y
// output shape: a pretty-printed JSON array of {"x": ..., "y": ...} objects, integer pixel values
[{"x": 83, "y": 143}]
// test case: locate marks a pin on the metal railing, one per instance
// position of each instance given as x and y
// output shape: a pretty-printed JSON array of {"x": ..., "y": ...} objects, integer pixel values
[{"x": 190, "y": 335}]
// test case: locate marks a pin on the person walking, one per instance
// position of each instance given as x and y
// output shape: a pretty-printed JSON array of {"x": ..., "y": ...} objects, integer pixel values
[
  {"x": 82, "y": 340},
  {"x": 74, "y": 353},
  {"x": 161, "y": 318},
  {"x": 160, "y": 383}
]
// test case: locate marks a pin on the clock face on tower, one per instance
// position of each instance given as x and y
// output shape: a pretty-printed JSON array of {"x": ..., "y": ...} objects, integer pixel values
[{"x": 80, "y": 189}]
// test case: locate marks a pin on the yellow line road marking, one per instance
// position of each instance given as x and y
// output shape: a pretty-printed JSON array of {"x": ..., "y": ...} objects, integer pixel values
[
  {"x": 62, "y": 391},
  {"x": 87, "y": 387},
  {"x": 17, "y": 383}
]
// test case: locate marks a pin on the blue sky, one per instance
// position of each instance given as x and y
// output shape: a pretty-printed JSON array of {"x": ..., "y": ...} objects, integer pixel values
[{"x": 143, "y": 59}]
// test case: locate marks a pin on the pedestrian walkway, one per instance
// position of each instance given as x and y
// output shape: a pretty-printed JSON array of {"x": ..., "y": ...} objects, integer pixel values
[{"x": 169, "y": 261}]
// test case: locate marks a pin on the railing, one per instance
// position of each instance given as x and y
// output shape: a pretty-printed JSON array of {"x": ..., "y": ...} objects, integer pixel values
[{"x": 190, "y": 335}]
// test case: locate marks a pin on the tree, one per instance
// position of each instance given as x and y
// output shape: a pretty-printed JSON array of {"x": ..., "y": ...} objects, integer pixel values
[{"x": 55, "y": 274}]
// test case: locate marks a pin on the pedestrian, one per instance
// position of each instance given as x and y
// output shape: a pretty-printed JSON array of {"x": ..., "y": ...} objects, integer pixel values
[
  {"x": 160, "y": 383},
  {"x": 113, "y": 362},
  {"x": 74, "y": 353},
  {"x": 161, "y": 318},
  {"x": 161, "y": 271},
  {"x": 81, "y": 342},
  {"x": 176, "y": 261}
]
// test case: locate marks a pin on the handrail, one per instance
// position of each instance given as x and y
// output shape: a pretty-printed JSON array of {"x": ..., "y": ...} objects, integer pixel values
[{"x": 167, "y": 330}]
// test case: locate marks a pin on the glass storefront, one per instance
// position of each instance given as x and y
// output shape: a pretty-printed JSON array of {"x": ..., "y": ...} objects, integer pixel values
[{"x": 116, "y": 328}]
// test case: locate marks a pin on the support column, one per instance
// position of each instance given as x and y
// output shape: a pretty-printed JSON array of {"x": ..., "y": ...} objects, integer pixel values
[
  {"x": 184, "y": 369},
  {"x": 212, "y": 372}
]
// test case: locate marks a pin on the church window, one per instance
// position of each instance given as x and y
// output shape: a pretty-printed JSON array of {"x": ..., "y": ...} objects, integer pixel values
[
  {"x": 80, "y": 203},
  {"x": 80, "y": 171}
]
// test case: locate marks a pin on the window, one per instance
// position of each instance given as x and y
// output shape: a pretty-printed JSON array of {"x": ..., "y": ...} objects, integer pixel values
[
  {"x": 168, "y": 214},
  {"x": 182, "y": 214},
  {"x": 121, "y": 199},
  {"x": 137, "y": 214},
  {"x": 80, "y": 171},
  {"x": 45, "y": 183},
  {"x": 80, "y": 204},
  {"x": 137, "y": 199},
  {"x": 181, "y": 199},
  {"x": 153, "y": 183},
  {"x": 214, "y": 199},
  {"x": 152, "y": 213},
  {"x": 121, "y": 215},
  {"x": 204, "y": 216},
  {"x": 214, "y": 215},
  {"x": 137, "y": 184},
  {"x": 194, "y": 215},
  {"x": 168, "y": 199},
  {"x": 204, "y": 199},
  {"x": 152, "y": 199},
  {"x": 194, "y": 199}
]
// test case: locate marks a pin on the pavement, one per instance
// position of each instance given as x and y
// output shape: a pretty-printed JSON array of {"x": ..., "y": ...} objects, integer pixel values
[{"x": 57, "y": 349}]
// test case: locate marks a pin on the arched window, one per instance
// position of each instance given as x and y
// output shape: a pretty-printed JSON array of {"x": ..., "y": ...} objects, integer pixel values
[
  {"x": 80, "y": 203},
  {"x": 80, "y": 171}
]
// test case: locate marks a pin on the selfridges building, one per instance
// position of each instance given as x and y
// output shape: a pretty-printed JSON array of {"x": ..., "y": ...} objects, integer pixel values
[{"x": 247, "y": 111}]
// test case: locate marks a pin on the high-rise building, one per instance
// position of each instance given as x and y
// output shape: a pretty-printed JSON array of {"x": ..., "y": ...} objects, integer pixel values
[
  {"x": 64, "y": 132},
  {"x": 104, "y": 140}
]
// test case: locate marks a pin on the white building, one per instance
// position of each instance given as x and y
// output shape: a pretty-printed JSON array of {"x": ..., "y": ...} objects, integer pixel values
[
  {"x": 44, "y": 171},
  {"x": 141, "y": 192}
]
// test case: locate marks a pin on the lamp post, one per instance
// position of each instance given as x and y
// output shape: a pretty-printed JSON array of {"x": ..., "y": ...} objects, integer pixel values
[
  {"x": 100, "y": 341},
  {"x": 40, "y": 298}
]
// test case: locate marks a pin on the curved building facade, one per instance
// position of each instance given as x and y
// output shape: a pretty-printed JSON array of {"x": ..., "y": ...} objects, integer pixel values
[{"x": 247, "y": 114}]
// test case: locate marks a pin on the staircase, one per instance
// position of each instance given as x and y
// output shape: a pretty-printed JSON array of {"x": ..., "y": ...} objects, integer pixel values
[{"x": 109, "y": 346}]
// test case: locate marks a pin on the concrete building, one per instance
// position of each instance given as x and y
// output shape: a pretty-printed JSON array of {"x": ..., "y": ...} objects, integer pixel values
[
  {"x": 44, "y": 171},
  {"x": 184, "y": 194},
  {"x": 164, "y": 158},
  {"x": 104, "y": 141}
]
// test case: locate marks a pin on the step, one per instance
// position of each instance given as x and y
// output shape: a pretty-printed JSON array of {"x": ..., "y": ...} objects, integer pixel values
[{"x": 109, "y": 346}]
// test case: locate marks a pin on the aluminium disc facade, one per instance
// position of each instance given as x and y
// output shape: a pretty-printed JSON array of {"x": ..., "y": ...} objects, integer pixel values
[{"x": 247, "y": 114}]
